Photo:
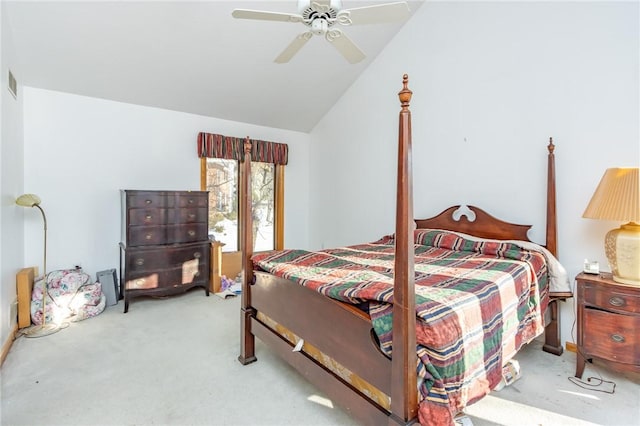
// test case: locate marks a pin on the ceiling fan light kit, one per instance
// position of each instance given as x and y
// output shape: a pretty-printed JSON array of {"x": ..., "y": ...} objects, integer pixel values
[{"x": 321, "y": 15}]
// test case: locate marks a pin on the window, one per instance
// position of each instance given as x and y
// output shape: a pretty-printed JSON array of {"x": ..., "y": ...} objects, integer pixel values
[
  {"x": 222, "y": 179},
  {"x": 220, "y": 175}
]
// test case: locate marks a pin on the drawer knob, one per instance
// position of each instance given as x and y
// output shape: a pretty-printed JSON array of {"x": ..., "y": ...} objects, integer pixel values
[
  {"x": 190, "y": 201},
  {"x": 617, "y": 338},
  {"x": 139, "y": 282},
  {"x": 147, "y": 201},
  {"x": 192, "y": 215},
  {"x": 139, "y": 262},
  {"x": 191, "y": 232},
  {"x": 148, "y": 217},
  {"x": 616, "y": 301},
  {"x": 196, "y": 255},
  {"x": 148, "y": 236}
]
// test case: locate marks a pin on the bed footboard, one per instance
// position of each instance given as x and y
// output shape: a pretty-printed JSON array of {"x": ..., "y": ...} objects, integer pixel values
[
  {"x": 350, "y": 399},
  {"x": 312, "y": 316},
  {"x": 353, "y": 346}
]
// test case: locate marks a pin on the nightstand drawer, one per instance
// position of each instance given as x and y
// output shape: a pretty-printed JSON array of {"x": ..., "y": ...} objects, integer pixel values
[
  {"x": 612, "y": 336},
  {"x": 618, "y": 299}
]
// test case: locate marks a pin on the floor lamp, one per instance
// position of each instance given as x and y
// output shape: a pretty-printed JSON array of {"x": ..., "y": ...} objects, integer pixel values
[{"x": 44, "y": 329}]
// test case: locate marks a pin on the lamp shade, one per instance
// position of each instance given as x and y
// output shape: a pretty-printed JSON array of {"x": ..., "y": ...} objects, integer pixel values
[
  {"x": 28, "y": 200},
  {"x": 617, "y": 197}
]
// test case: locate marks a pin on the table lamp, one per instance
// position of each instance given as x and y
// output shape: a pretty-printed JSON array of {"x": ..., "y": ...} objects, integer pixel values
[
  {"x": 44, "y": 329},
  {"x": 617, "y": 197}
]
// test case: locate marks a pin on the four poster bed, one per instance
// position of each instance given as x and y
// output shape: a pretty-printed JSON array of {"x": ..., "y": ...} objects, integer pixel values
[{"x": 418, "y": 324}]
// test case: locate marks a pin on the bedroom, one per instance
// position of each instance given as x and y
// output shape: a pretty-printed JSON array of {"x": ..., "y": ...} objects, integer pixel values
[{"x": 490, "y": 80}]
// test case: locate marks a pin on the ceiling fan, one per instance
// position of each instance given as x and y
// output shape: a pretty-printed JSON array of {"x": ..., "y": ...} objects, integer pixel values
[{"x": 321, "y": 16}]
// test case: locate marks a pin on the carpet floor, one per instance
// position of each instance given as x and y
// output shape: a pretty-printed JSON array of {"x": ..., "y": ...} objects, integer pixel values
[{"x": 173, "y": 361}]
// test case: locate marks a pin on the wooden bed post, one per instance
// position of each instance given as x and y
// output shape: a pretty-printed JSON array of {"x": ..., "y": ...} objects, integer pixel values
[
  {"x": 247, "y": 339},
  {"x": 552, "y": 342},
  {"x": 404, "y": 393},
  {"x": 552, "y": 222}
]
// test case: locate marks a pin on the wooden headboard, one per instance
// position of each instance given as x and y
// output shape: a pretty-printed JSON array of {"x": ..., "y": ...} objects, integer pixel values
[{"x": 482, "y": 225}]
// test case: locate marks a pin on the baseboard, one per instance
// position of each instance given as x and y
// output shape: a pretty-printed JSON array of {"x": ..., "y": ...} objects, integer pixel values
[
  {"x": 571, "y": 347},
  {"x": 7, "y": 345}
]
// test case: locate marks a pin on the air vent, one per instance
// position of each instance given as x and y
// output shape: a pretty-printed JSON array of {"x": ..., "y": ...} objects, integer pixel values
[{"x": 13, "y": 85}]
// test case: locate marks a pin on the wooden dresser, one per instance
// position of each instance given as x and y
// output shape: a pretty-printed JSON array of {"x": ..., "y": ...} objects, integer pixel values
[
  {"x": 608, "y": 322},
  {"x": 165, "y": 247}
]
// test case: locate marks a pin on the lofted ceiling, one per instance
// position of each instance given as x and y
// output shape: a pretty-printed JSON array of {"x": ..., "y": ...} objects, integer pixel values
[{"x": 188, "y": 56}]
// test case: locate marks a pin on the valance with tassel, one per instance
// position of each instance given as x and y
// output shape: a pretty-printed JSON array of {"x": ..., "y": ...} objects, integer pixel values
[{"x": 219, "y": 146}]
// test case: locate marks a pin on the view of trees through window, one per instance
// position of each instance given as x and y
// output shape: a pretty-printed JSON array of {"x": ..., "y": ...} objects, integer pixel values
[{"x": 222, "y": 184}]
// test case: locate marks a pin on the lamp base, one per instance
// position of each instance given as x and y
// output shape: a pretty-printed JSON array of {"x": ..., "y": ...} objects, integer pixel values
[
  {"x": 41, "y": 330},
  {"x": 622, "y": 247},
  {"x": 626, "y": 281}
]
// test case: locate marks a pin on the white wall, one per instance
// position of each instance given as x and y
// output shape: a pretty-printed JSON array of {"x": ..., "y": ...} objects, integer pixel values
[
  {"x": 492, "y": 82},
  {"x": 81, "y": 151},
  {"x": 11, "y": 180}
]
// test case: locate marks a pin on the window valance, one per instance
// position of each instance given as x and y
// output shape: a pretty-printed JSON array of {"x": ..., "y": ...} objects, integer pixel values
[{"x": 229, "y": 147}]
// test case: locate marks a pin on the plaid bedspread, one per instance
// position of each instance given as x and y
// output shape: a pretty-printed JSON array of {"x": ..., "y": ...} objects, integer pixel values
[{"x": 477, "y": 303}]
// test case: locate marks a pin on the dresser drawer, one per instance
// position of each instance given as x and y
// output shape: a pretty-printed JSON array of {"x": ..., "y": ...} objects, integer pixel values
[
  {"x": 189, "y": 273},
  {"x": 187, "y": 233},
  {"x": 162, "y": 216},
  {"x": 192, "y": 199},
  {"x": 612, "y": 336},
  {"x": 142, "y": 260},
  {"x": 613, "y": 299},
  {"x": 146, "y": 235},
  {"x": 142, "y": 282},
  {"x": 149, "y": 199},
  {"x": 191, "y": 215},
  {"x": 155, "y": 216},
  {"x": 183, "y": 253}
]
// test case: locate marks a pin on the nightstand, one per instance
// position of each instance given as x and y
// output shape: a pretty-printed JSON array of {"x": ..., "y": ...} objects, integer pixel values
[{"x": 608, "y": 322}]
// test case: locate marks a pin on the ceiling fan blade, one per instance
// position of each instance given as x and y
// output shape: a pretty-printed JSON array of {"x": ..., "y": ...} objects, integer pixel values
[
  {"x": 321, "y": 3},
  {"x": 345, "y": 46},
  {"x": 265, "y": 16},
  {"x": 293, "y": 47},
  {"x": 382, "y": 13}
]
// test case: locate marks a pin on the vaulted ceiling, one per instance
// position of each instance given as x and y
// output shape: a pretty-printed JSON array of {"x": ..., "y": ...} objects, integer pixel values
[{"x": 189, "y": 56}]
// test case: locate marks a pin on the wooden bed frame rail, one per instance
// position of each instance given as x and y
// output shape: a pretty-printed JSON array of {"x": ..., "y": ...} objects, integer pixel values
[{"x": 291, "y": 304}]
